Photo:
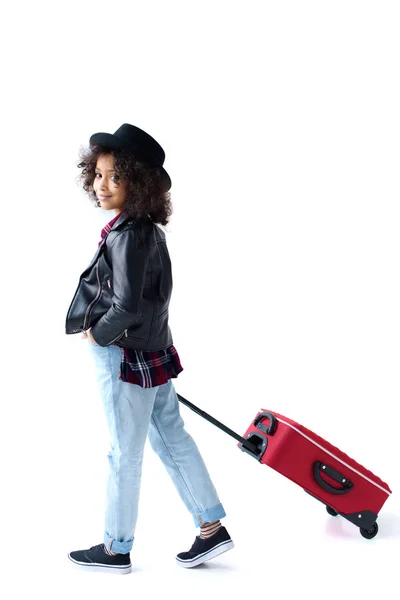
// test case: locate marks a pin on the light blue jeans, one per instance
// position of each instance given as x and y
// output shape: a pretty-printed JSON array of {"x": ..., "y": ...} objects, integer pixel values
[{"x": 132, "y": 413}]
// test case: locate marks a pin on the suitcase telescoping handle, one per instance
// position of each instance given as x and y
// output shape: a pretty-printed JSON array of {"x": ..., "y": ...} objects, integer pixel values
[{"x": 248, "y": 445}]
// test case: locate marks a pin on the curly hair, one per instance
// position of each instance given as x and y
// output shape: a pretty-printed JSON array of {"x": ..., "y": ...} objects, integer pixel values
[{"x": 145, "y": 190}]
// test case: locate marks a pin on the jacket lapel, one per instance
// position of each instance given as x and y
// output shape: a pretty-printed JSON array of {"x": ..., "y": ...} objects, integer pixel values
[{"x": 122, "y": 218}]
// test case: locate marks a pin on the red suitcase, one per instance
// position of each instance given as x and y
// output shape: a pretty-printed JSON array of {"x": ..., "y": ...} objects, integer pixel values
[{"x": 323, "y": 471}]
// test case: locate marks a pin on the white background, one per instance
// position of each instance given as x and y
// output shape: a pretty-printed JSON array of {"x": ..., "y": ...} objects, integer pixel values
[{"x": 280, "y": 122}]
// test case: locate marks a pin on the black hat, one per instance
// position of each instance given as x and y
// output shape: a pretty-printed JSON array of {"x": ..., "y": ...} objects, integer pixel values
[{"x": 131, "y": 138}]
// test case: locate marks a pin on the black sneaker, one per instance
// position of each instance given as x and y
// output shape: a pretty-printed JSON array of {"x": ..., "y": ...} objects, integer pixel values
[
  {"x": 204, "y": 549},
  {"x": 97, "y": 559}
]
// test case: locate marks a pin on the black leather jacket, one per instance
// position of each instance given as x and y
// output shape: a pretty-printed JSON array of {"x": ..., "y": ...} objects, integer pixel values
[{"x": 124, "y": 293}]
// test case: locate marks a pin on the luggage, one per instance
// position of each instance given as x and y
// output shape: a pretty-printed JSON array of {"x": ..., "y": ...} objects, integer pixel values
[{"x": 323, "y": 471}]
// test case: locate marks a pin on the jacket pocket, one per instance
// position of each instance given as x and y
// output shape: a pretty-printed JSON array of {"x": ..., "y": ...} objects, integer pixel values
[
  {"x": 107, "y": 283},
  {"x": 124, "y": 334}
]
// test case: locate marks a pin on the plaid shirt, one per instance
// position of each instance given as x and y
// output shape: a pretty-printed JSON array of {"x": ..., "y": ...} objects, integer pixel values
[{"x": 147, "y": 369}]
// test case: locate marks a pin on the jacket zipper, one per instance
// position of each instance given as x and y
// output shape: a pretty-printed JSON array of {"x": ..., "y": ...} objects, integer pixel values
[
  {"x": 93, "y": 301},
  {"x": 125, "y": 332},
  {"x": 101, "y": 248}
]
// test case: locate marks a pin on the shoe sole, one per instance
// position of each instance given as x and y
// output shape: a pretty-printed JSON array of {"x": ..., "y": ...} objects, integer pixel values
[
  {"x": 100, "y": 568},
  {"x": 220, "y": 549}
]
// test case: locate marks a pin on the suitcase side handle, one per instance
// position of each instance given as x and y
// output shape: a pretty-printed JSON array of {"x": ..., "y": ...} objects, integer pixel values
[
  {"x": 347, "y": 484},
  {"x": 270, "y": 430}
]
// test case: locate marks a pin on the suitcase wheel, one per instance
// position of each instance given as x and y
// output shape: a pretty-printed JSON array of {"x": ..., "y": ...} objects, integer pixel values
[
  {"x": 369, "y": 533},
  {"x": 331, "y": 511}
]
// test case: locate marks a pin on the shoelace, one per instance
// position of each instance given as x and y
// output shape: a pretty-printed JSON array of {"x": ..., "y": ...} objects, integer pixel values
[{"x": 98, "y": 547}]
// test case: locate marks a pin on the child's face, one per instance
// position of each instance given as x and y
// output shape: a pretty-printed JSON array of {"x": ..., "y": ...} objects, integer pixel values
[{"x": 110, "y": 195}]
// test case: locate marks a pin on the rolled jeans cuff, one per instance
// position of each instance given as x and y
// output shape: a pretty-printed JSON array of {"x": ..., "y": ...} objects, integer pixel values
[
  {"x": 211, "y": 514},
  {"x": 118, "y": 547}
]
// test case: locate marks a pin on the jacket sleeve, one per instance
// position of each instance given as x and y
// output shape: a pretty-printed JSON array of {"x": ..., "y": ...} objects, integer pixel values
[{"x": 129, "y": 259}]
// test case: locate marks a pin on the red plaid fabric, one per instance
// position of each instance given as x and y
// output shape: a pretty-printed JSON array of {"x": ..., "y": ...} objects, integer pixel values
[{"x": 147, "y": 369}]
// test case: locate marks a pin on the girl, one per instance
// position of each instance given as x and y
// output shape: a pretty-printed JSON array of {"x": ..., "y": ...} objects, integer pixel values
[{"x": 121, "y": 306}]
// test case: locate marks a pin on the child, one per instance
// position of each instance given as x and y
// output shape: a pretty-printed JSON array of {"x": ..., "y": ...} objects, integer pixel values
[{"x": 121, "y": 305}]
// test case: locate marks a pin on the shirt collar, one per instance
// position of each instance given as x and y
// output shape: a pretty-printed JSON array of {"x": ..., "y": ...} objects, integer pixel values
[{"x": 107, "y": 228}]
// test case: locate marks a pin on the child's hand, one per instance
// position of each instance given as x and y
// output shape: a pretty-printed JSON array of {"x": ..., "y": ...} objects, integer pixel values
[{"x": 89, "y": 335}]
